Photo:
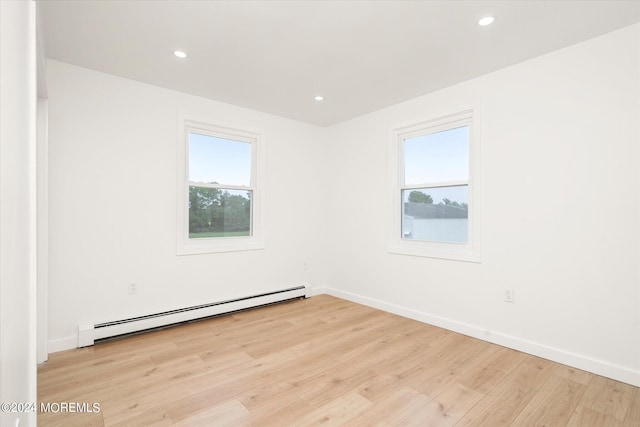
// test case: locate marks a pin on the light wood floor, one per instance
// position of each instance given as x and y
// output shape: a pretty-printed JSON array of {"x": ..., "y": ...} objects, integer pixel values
[{"x": 323, "y": 361}]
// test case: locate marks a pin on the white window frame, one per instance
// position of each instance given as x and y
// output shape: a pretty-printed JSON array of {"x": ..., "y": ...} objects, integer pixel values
[
  {"x": 469, "y": 251},
  {"x": 187, "y": 246}
]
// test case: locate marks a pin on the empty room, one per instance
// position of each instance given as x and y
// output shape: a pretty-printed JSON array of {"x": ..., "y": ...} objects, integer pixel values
[{"x": 295, "y": 213}]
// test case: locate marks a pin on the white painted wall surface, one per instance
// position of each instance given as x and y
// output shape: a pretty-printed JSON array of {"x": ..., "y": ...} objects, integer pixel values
[
  {"x": 17, "y": 209},
  {"x": 560, "y": 220},
  {"x": 112, "y": 152}
]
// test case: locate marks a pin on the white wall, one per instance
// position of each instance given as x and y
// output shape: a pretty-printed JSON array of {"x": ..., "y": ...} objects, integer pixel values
[
  {"x": 436, "y": 229},
  {"x": 560, "y": 220},
  {"x": 17, "y": 209},
  {"x": 112, "y": 153}
]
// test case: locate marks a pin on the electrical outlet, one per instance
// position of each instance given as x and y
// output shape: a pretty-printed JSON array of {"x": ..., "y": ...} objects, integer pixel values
[
  {"x": 133, "y": 288},
  {"x": 509, "y": 296}
]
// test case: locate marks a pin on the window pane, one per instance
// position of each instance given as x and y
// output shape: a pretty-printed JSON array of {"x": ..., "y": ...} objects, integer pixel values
[
  {"x": 437, "y": 157},
  {"x": 215, "y": 212},
  {"x": 438, "y": 214},
  {"x": 215, "y": 160}
]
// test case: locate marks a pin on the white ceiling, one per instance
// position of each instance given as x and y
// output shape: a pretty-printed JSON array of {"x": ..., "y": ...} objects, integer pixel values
[{"x": 275, "y": 56}]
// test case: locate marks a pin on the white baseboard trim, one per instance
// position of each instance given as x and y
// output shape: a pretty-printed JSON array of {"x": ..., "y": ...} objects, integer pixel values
[
  {"x": 579, "y": 361},
  {"x": 318, "y": 290},
  {"x": 62, "y": 344}
]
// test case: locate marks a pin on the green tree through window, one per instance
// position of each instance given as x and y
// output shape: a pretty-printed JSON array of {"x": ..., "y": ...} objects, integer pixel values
[{"x": 221, "y": 207}]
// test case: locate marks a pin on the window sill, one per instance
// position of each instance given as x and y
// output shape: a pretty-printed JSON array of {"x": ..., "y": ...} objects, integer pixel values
[
  {"x": 209, "y": 246},
  {"x": 446, "y": 251}
]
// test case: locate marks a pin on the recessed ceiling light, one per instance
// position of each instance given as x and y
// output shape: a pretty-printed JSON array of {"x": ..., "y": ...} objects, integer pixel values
[
  {"x": 319, "y": 98},
  {"x": 180, "y": 54},
  {"x": 487, "y": 20}
]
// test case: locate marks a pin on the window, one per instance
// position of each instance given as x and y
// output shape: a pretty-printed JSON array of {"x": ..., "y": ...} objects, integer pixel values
[
  {"x": 436, "y": 208},
  {"x": 218, "y": 189}
]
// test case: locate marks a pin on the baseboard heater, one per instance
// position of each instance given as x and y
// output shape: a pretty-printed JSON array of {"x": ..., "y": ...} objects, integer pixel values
[{"x": 89, "y": 333}]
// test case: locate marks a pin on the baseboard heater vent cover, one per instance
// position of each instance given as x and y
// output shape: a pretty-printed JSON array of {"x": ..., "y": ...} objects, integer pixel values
[{"x": 89, "y": 333}]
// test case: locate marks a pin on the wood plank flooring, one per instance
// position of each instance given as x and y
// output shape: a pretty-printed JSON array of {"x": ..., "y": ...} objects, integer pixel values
[{"x": 323, "y": 361}]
